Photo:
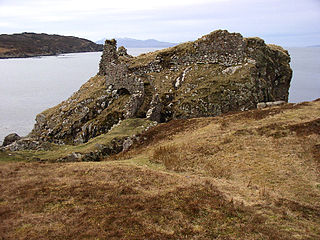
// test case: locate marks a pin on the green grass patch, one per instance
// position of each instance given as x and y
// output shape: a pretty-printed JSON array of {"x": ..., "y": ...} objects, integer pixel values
[
  {"x": 126, "y": 128},
  {"x": 6, "y": 157},
  {"x": 142, "y": 160}
]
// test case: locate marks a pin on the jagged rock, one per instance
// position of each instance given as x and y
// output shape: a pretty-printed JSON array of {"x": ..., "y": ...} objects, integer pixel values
[
  {"x": 231, "y": 70},
  {"x": 181, "y": 78},
  {"x": 270, "y": 104},
  {"x": 261, "y": 105},
  {"x": 133, "y": 104},
  {"x": 72, "y": 157},
  {"x": 91, "y": 157},
  {"x": 127, "y": 144},
  {"x": 122, "y": 52},
  {"x": 217, "y": 73},
  {"x": 27, "y": 144},
  {"x": 154, "y": 112},
  {"x": 10, "y": 139}
]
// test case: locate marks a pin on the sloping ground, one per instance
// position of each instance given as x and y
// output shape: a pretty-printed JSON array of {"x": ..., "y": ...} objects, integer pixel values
[
  {"x": 248, "y": 175},
  {"x": 93, "y": 150},
  {"x": 119, "y": 201},
  {"x": 91, "y": 107}
]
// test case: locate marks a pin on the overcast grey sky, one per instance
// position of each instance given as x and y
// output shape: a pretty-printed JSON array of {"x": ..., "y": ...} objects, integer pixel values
[{"x": 284, "y": 22}]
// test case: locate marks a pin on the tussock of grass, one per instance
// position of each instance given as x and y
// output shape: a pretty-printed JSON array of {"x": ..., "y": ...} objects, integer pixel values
[
  {"x": 277, "y": 48},
  {"x": 168, "y": 156}
]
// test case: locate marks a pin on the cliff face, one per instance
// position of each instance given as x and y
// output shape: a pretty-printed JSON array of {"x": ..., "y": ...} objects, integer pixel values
[
  {"x": 215, "y": 74},
  {"x": 32, "y": 44}
]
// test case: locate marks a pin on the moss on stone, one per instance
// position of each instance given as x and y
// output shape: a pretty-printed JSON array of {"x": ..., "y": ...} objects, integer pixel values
[{"x": 217, "y": 73}]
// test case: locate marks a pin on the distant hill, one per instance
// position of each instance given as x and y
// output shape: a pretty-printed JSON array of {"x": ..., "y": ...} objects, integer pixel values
[
  {"x": 135, "y": 43},
  {"x": 41, "y": 44},
  {"x": 314, "y": 46}
]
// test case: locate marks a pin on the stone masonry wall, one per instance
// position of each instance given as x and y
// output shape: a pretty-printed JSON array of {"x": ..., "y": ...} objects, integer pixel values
[{"x": 217, "y": 73}]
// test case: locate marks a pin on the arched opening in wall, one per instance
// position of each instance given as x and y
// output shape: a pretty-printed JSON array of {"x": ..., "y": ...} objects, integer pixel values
[{"x": 123, "y": 91}]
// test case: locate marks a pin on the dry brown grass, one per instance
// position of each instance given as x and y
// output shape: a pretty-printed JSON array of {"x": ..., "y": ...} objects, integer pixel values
[
  {"x": 169, "y": 156},
  {"x": 109, "y": 201},
  {"x": 257, "y": 157},
  {"x": 251, "y": 175}
]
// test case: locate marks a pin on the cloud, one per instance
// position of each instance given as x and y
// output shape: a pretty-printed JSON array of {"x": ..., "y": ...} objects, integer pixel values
[{"x": 165, "y": 20}]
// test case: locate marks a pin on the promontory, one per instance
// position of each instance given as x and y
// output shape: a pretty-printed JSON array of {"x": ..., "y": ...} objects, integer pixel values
[
  {"x": 40, "y": 44},
  {"x": 218, "y": 73},
  {"x": 196, "y": 141}
]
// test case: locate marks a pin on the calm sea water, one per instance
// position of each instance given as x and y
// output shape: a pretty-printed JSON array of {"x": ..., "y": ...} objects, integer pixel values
[
  {"x": 305, "y": 83},
  {"x": 30, "y": 85}
]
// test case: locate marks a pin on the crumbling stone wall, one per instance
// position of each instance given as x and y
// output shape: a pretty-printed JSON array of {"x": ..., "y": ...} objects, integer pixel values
[
  {"x": 109, "y": 56},
  {"x": 119, "y": 79},
  {"x": 172, "y": 83},
  {"x": 268, "y": 80}
]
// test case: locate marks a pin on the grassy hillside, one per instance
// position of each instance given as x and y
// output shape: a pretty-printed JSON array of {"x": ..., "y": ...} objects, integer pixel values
[{"x": 245, "y": 175}]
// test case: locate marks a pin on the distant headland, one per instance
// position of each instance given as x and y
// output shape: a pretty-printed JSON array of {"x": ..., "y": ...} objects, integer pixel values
[
  {"x": 136, "y": 43},
  {"x": 40, "y": 44}
]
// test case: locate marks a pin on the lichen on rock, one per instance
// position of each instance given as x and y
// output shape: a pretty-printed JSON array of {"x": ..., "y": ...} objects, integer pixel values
[{"x": 218, "y": 73}]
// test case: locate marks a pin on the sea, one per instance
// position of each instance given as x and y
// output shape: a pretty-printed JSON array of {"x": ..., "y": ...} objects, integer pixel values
[{"x": 28, "y": 86}]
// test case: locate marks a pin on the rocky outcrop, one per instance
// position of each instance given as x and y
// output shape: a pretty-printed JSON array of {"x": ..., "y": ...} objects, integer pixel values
[
  {"x": 33, "y": 44},
  {"x": 119, "y": 79},
  {"x": 10, "y": 139},
  {"x": 270, "y": 104},
  {"x": 89, "y": 112},
  {"x": 102, "y": 151},
  {"x": 215, "y": 74},
  {"x": 122, "y": 51},
  {"x": 26, "y": 143}
]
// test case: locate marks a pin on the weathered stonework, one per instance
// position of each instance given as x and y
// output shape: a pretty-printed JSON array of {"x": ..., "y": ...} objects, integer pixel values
[
  {"x": 217, "y": 73},
  {"x": 11, "y": 138},
  {"x": 119, "y": 79},
  {"x": 122, "y": 52}
]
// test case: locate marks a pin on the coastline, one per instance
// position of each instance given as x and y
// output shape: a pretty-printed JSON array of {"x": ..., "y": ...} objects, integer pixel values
[
  {"x": 44, "y": 55},
  {"x": 294, "y": 91}
]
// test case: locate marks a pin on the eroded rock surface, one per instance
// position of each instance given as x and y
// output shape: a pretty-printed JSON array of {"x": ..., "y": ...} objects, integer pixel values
[
  {"x": 11, "y": 138},
  {"x": 26, "y": 143},
  {"x": 217, "y": 73}
]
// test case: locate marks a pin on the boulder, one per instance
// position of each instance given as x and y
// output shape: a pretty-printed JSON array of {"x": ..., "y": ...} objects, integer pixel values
[
  {"x": 127, "y": 144},
  {"x": 11, "y": 138},
  {"x": 72, "y": 157},
  {"x": 269, "y": 104},
  {"x": 27, "y": 144}
]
